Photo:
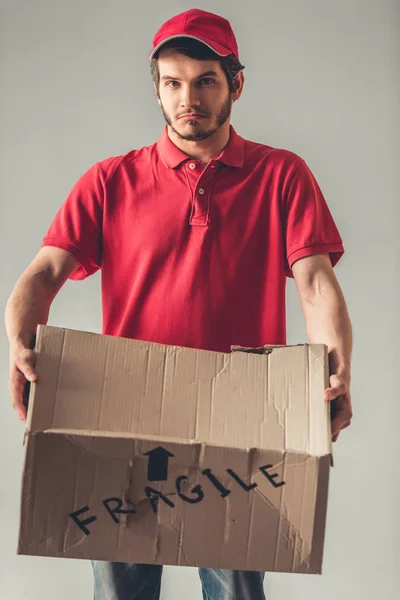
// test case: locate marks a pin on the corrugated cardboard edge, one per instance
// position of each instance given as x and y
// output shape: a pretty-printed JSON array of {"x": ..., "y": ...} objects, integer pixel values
[
  {"x": 321, "y": 503},
  {"x": 28, "y": 460},
  {"x": 57, "y": 341},
  {"x": 96, "y": 433}
]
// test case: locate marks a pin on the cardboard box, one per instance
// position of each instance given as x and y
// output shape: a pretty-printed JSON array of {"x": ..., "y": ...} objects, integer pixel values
[{"x": 140, "y": 452}]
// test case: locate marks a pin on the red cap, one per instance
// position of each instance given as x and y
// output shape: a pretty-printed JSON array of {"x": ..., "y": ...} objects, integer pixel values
[{"x": 214, "y": 31}]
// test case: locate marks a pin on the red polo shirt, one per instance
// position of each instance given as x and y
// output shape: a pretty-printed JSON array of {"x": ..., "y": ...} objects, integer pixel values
[{"x": 196, "y": 258}]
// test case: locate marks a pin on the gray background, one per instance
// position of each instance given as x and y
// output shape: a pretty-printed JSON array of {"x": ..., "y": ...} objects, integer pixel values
[{"x": 322, "y": 79}]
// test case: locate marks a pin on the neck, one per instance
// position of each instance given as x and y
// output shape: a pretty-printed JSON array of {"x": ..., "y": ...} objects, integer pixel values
[{"x": 204, "y": 150}]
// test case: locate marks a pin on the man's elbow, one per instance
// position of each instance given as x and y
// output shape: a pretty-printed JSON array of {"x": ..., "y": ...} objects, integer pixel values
[{"x": 316, "y": 281}]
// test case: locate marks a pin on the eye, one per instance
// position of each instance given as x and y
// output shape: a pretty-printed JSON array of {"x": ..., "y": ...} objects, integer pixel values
[{"x": 206, "y": 81}]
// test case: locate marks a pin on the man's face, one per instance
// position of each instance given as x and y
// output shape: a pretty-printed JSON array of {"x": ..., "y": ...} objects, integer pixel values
[{"x": 193, "y": 86}]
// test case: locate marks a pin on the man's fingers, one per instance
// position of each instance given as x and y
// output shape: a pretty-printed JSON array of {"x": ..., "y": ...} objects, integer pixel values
[
  {"x": 21, "y": 376},
  {"x": 31, "y": 376},
  {"x": 26, "y": 365},
  {"x": 337, "y": 387},
  {"x": 340, "y": 422},
  {"x": 334, "y": 392},
  {"x": 341, "y": 410},
  {"x": 16, "y": 391},
  {"x": 336, "y": 435},
  {"x": 21, "y": 413}
]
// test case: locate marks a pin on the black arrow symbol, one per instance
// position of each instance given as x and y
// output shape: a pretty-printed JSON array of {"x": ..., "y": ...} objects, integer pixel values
[{"x": 158, "y": 464}]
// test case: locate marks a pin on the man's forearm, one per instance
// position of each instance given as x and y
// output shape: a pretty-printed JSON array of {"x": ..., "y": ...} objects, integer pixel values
[
  {"x": 328, "y": 322},
  {"x": 27, "y": 306}
]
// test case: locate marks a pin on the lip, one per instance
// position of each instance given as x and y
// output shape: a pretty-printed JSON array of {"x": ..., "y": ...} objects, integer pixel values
[{"x": 193, "y": 116}]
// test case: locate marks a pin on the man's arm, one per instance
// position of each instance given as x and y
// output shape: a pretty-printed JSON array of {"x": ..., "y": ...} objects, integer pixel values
[
  {"x": 328, "y": 322},
  {"x": 28, "y": 305}
]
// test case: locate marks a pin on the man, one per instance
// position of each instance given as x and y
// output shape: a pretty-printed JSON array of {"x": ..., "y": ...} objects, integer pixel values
[{"x": 195, "y": 236}]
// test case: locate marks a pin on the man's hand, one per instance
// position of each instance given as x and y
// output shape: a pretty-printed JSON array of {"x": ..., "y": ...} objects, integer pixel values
[
  {"x": 22, "y": 373},
  {"x": 338, "y": 394}
]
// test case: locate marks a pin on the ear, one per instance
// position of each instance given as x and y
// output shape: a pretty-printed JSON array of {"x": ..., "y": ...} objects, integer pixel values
[
  {"x": 155, "y": 89},
  {"x": 239, "y": 86}
]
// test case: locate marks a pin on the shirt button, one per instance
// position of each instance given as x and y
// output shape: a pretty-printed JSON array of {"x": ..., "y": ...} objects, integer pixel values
[
  {"x": 201, "y": 191},
  {"x": 192, "y": 166}
]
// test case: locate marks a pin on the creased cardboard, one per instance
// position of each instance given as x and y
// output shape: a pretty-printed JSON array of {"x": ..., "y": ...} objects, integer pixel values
[{"x": 140, "y": 452}]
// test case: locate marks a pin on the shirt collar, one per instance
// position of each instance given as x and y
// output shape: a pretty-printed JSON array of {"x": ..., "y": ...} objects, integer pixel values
[{"x": 232, "y": 155}]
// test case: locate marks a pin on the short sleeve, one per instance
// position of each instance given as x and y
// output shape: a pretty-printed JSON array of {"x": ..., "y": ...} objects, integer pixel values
[
  {"x": 77, "y": 227},
  {"x": 309, "y": 227}
]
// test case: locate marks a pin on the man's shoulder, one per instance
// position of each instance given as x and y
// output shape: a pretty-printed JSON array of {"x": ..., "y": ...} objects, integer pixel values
[
  {"x": 113, "y": 164},
  {"x": 273, "y": 154}
]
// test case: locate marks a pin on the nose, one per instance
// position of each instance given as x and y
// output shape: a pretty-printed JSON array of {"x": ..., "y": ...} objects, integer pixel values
[{"x": 189, "y": 97}]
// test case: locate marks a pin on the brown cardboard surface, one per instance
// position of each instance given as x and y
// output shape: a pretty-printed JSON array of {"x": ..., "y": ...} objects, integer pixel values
[{"x": 215, "y": 460}]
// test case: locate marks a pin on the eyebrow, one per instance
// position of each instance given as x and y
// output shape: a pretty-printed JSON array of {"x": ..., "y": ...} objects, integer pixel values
[{"x": 206, "y": 74}]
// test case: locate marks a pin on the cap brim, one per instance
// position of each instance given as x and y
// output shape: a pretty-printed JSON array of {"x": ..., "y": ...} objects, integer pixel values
[{"x": 217, "y": 48}]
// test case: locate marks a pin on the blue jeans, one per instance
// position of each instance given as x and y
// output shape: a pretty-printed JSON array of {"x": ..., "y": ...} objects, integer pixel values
[{"x": 127, "y": 581}]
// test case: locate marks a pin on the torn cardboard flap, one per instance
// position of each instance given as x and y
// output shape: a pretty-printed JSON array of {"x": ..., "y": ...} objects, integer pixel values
[{"x": 141, "y": 452}]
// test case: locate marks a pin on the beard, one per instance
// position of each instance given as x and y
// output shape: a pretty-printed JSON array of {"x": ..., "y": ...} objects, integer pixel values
[{"x": 197, "y": 134}]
